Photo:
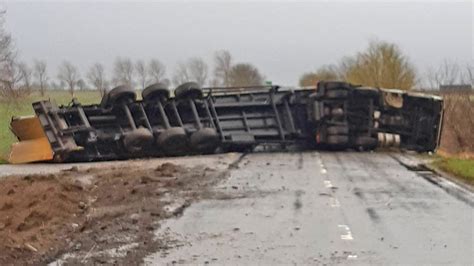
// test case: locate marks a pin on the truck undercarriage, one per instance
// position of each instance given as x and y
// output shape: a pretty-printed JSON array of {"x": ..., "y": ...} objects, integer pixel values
[{"x": 334, "y": 115}]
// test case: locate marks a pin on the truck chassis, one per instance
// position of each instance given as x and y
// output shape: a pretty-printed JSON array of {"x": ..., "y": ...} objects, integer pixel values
[{"x": 334, "y": 116}]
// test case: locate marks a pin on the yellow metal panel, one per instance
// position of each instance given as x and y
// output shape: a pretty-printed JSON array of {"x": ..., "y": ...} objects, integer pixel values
[
  {"x": 26, "y": 128},
  {"x": 34, "y": 150}
]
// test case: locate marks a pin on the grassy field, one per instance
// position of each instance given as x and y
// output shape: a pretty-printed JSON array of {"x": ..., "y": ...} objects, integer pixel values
[
  {"x": 9, "y": 108},
  {"x": 462, "y": 168}
]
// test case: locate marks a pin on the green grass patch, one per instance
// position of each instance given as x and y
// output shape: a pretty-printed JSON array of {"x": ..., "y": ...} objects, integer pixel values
[
  {"x": 22, "y": 107},
  {"x": 461, "y": 168}
]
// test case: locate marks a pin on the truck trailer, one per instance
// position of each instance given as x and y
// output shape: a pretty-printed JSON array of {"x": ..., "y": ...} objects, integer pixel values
[{"x": 194, "y": 120}]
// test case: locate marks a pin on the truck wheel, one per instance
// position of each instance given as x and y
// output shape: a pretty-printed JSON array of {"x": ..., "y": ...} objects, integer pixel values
[
  {"x": 204, "y": 140},
  {"x": 337, "y": 94},
  {"x": 155, "y": 92},
  {"x": 337, "y": 140},
  {"x": 188, "y": 90},
  {"x": 338, "y": 130},
  {"x": 137, "y": 140},
  {"x": 117, "y": 95},
  {"x": 173, "y": 140}
]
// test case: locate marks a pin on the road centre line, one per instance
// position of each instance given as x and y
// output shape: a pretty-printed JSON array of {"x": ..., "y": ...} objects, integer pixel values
[
  {"x": 328, "y": 184},
  {"x": 348, "y": 235},
  {"x": 352, "y": 257}
]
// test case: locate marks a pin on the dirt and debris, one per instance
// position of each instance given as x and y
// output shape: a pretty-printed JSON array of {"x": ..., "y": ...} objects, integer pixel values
[{"x": 94, "y": 215}]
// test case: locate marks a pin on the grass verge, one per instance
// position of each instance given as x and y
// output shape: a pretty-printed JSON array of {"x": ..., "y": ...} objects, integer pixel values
[
  {"x": 22, "y": 107},
  {"x": 461, "y": 168}
]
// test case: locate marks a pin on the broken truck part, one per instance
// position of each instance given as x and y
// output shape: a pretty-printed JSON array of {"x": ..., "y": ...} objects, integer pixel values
[{"x": 334, "y": 115}]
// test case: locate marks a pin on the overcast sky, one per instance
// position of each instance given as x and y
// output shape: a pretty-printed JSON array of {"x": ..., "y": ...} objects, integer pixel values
[{"x": 282, "y": 39}]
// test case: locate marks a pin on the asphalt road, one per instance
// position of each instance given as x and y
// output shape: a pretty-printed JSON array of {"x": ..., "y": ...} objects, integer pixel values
[{"x": 325, "y": 208}]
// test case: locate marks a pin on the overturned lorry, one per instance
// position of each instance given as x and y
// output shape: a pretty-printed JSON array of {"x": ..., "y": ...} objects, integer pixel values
[{"x": 194, "y": 120}]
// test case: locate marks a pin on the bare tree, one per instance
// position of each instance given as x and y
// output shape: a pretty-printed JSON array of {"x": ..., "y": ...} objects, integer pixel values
[
  {"x": 142, "y": 73},
  {"x": 447, "y": 73},
  {"x": 69, "y": 74},
  {"x": 245, "y": 75},
  {"x": 41, "y": 75},
  {"x": 194, "y": 70},
  {"x": 198, "y": 70},
  {"x": 12, "y": 80},
  {"x": 96, "y": 77},
  {"x": 123, "y": 72},
  {"x": 469, "y": 74},
  {"x": 222, "y": 68},
  {"x": 7, "y": 49},
  {"x": 157, "y": 71},
  {"x": 10, "y": 74},
  {"x": 26, "y": 74},
  {"x": 181, "y": 75},
  {"x": 450, "y": 73}
]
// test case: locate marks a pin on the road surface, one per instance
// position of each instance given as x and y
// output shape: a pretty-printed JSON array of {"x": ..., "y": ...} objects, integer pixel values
[{"x": 324, "y": 208}]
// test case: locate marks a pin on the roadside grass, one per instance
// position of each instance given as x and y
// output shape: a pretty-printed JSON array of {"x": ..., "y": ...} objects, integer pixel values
[
  {"x": 22, "y": 107},
  {"x": 461, "y": 168}
]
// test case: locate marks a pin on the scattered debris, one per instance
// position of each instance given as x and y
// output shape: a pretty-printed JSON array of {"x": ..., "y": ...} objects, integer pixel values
[{"x": 88, "y": 216}]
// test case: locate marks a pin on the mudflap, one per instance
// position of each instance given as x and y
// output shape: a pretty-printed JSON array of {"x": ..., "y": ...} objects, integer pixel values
[{"x": 33, "y": 145}]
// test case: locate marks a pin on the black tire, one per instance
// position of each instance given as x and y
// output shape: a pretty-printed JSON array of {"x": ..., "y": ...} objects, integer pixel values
[
  {"x": 155, "y": 92},
  {"x": 120, "y": 94},
  {"x": 337, "y": 94},
  {"x": 190, "y": 90},
  {"x": 337, "y": 140},
  {"x": 338, "y": 130},
  {"x": 366, "y": 143},
  {"x": 173, "y": 141},
  {"x": 205, "y": 140},
  {"x": 137, "y": 140}
]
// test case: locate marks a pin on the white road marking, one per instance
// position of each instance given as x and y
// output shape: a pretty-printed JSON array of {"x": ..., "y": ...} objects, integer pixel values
[
  {"x": 352, "y": 257},
  {"x": 334, "y": 203},
  {"x": 328, "y": 184},
  {"x": 348, "y": 235},
  {"x": 323, "y": 171}
]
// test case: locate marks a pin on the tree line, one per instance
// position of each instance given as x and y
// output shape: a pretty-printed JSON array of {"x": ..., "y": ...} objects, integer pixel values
[
  {"x": 384, "y": 65},
  {"x": 17, "y": 78},
  {"x": 22, "y": 79}
]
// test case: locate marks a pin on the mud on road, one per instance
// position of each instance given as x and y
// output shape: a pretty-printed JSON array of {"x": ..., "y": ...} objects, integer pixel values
[{"x": 96, "y": 215}]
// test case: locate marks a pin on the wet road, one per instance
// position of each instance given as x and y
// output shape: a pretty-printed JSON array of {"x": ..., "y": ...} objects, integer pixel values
[{"x": 324, "y": 208}]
